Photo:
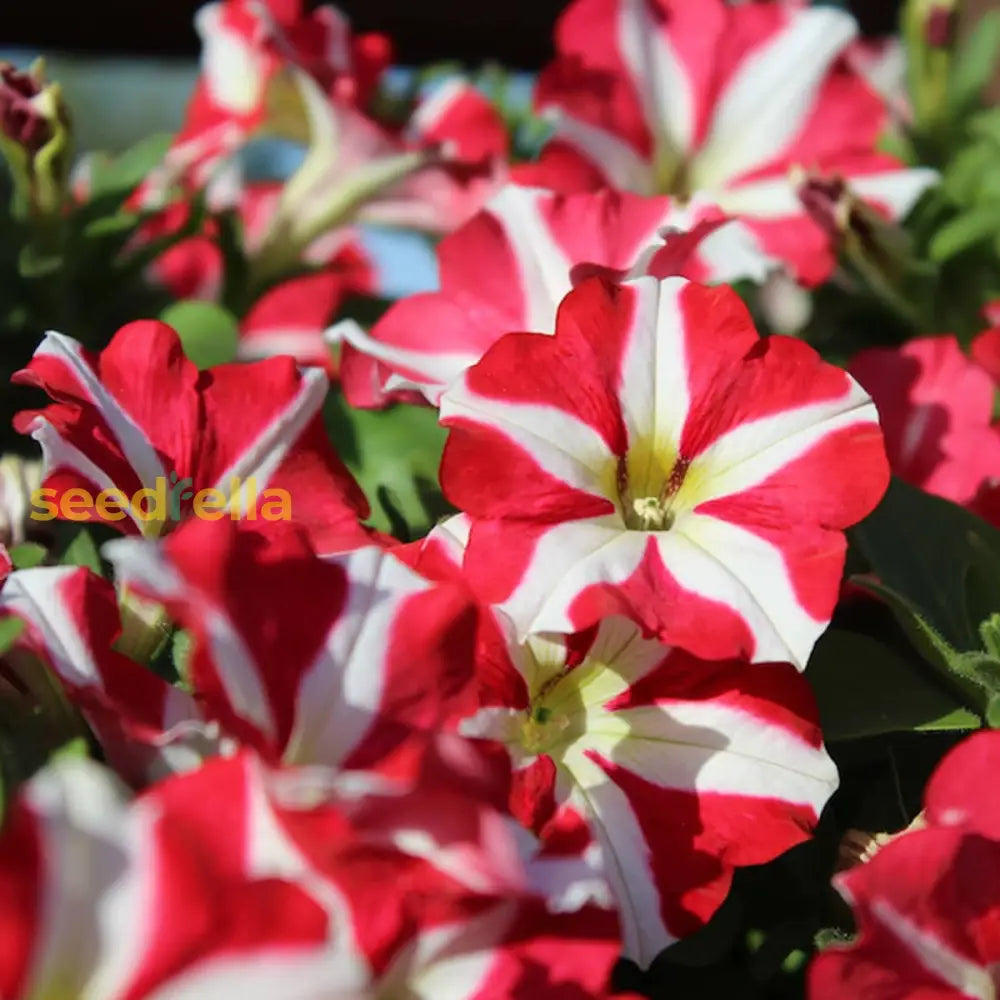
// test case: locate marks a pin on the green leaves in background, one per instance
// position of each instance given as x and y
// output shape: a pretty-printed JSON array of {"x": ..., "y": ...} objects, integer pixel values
[
  {"x": 394, "y": 454},
  {"x": 117, "y": 177},
  {"x": 938, "y": 568},
  {"x": 865, "y": 687},
  {"x": 973, "y": 64},
  {"x": 82, "y": 551},
  {"x": 10, "y": 629},
  {"x": 208, "y": 332},
  {"x": 27, "y": 556}
]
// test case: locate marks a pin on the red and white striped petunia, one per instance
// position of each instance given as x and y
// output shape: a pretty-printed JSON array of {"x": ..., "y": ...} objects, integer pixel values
[
  {"x": 657, "y": 459},
  {"x": 145, "y": 726},
  {"x": 935, "y": 405},
  {"x": 140, "y": 415},
  {"x": 249, "y": 50},
  {"x": 332, "y": 660},
  {"x": 236, "y": 880},
  {"x": 509, "y": 267},
  {"x": 927, "y": 906},
  {"x": 741, "y": 104},
  {"x": 269, "y": 69},
  {"x": 681, "y": 768},
  {"x": 433, "y": 176}
]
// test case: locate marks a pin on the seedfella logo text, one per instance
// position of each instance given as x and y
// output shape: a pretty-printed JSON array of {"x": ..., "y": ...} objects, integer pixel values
[{"x": 168, "y": 500}]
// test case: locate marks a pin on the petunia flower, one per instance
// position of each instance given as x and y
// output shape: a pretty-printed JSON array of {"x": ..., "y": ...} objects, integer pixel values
[
  {"x": 657, "y": 459},
  {"x": 681, "y": 769},
  {"x": 927, "y": 906},
  {"x": 273, "y": 71},
  {"x": 239, "y": 880},
  {"x": 309, "y": 660},
  {"x": 67, "y": 655},
  {"x": 741, "y": 104},
  {"x": 509, "y": 267},
  {"x": 935, "y": 405},
  {"x": 250, "y": 53},
  {"x": 140, "y": 416}
]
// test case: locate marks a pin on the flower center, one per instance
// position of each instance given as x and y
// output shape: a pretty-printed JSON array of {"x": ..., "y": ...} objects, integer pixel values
[
  {"x": 651, "y": 513},
  {"x": 541, "y": 729}
]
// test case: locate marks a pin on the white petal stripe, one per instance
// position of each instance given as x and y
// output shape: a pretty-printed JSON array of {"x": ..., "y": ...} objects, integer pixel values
[
  {"x": 770, "y": 96},
  {"x": 138, "y": 452}
]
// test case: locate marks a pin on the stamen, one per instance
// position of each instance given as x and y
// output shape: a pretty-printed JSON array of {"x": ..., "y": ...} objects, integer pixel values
[
  {"x": 652, "y": 514},
  {"x": 676, "y": 478}
]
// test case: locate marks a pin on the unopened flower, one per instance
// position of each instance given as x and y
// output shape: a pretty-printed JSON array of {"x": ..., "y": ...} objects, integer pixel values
[
  {"x": 22, "y": 116},
  {"x": 34, "y": 138}
]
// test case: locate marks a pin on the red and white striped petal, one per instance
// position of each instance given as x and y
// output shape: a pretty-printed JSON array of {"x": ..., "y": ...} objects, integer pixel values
[
  {"x": 510, "y": 266},
  {"x": 108, "y": 900},
  {"x": 292, "y": 317},
  {"x": 935, "y": 405},
  {"x": 375, "y": 658},
  {"x": 725, "y": 101},
  {"x": 656, "y": 459},
  {"x": 954, "y": 793},
  {"x": 927, "y": 905},
  {"x": 462, "y": 121},
  {"x": 236, "y": 878},
  {"x": 682, "y": 769},
  {"x": 248, "y": 50},
  {"x": 145, "y": 726},
  {"x": 139, "y": 415}
]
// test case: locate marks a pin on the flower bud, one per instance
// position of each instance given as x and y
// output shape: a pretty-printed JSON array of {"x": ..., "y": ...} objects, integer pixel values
[
  {"x": 34, "y": 138},
  {"x": 939, "y": 28},
  {"x": 21, "y": 119}
]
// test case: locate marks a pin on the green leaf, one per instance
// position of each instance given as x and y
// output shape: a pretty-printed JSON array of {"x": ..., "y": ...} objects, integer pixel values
[
  {"x": 181, "y": 651},
  {"x": 394, "y": 454},
  {"x": 993, "y": 712},
  {"x": 963, "y": 179},
  {"x": 77, "y": 747},
  {"x": 925, "y": 638},
  {"x": 111, "y": 225},
  {"x": 970, "y": 228},
  {"x": 82, "y": 551},
  {"x": 208, "y": 332},
  {"x": 974, "y": 64},
  {"x": 28, "y": 555},
  {"x": 939, "y": 571},
  {"x": 921, "y": 547},
  {"x": 124, "y": 173},
  {"x": 10, "y": 629},
  {"x": 33, "y": 262},
  {"x": 864, "y": 687}
]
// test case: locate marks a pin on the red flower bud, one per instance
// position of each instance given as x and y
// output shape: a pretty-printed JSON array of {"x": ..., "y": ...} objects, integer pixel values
[
  {"x": 940, "y": 27},
  {"x": 20, "y": 119}
]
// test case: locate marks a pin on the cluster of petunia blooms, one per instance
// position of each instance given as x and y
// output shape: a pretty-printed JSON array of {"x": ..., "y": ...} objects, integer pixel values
[{"x": 488, "y": 763}]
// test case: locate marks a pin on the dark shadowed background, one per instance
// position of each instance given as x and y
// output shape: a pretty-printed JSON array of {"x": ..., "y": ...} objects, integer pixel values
[{"x": 517, "y": 33}]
